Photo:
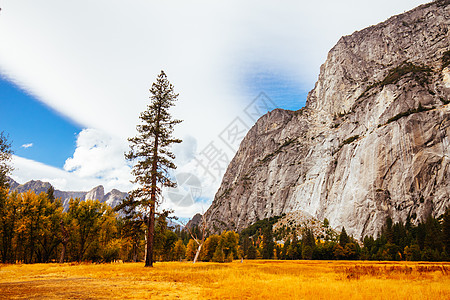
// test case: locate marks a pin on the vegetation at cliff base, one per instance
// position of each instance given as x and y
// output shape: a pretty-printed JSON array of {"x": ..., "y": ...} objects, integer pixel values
[{"x": 429, "y": 240}]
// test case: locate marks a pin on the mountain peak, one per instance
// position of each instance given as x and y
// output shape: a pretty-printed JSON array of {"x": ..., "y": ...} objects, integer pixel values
[{"x": 97, "y": 193}]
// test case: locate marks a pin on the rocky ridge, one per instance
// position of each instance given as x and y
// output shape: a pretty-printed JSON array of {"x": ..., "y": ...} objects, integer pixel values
[
  {"x": 371, "y": 142},
  {"x": 113, "y": 198}
]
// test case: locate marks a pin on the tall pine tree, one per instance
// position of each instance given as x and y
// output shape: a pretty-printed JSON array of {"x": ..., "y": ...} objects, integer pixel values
[{"x": 150, "y": 151}]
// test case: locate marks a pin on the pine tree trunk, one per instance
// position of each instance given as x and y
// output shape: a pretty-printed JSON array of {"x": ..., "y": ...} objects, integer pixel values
[
  {"x": 150, "y": 234},
  {"x": 151, "y": 217}
]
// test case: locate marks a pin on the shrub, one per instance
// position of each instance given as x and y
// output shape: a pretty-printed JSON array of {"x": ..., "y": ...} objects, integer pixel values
[
  {"x": 397, "y": 73},
  {"x": 446, "y": 59},
  {"x": 420, "y": 108}
]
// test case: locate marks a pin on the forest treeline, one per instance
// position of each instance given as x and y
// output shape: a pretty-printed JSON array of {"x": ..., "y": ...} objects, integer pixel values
[
  {"x": 428, "y": 240},
  {"x": 34, "y": 228}
]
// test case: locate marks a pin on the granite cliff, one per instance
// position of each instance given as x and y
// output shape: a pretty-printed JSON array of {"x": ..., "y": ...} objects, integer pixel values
[{"x": 371, "y": 142}]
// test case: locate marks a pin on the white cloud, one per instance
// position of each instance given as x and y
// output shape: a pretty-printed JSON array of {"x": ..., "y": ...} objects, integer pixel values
[
  {"x": 97, "y": 160},
  {"x": 27, "y": 145},
  {"x": 185, "y": 211},
  {"x": 98, "y": 155},
  {"x": 26, "y": 170},
  {"x": 185, "y": 151},
  {"x": 101, "y": 156}
]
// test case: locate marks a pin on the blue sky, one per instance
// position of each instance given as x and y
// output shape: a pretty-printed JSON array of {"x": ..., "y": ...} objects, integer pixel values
[
  {"x": 91, "y": 63},
  {"x": 35, "y": 131},
  {"x": 285, "y": 92}
]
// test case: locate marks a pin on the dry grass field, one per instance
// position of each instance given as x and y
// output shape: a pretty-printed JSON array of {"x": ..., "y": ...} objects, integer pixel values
[{"x": 249, "y": 280}]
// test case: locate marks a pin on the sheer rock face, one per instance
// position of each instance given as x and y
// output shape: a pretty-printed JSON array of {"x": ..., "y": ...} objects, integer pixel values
[
  {"x": 114, "y": 197},
  {"x": 96, "y": 193},
  {"x": 195, "y": 221},
  {"x": 371, "y": 142}
]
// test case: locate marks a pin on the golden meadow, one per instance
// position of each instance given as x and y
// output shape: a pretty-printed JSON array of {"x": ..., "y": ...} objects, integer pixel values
[{"x": 252, "y": 279}]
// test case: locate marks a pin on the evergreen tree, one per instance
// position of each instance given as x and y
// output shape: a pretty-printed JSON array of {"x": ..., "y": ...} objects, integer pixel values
[
  {"x": 338, "y": 251},
  {"x": 307, "y": 252},
  {"x": 278, "y": 250},
  {"x": 446, "y": 231},
  {"x": 164, "y": 239},
  {"x": 293, "y": 251},
  {"x": 245, "y": 244},
  {"x": 351, "y": 251},
  {"x": 433, "y": 237},
  {"x": 133, "y": 226},
  {"x": 268, "y": 243},
  {"x": 343, "y": 238},
  {"x": 308, "y": 244},
  {"x": 420, "y": 235},
  {"x": 170, "y": 238},
  {"x": 412, "y": 253},
  {"x": 388, "y": 230},
  {"x": 308, "y": 238},
  {"x": 5, "y": 158},
  {"x": 251, "y": 254},
  {"x": 150, "y": 150},
  {"x": 285, "y": 248}
]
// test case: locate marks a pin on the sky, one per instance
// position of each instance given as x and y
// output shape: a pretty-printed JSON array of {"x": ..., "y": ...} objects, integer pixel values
[{"x": 74, "y": 76}]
